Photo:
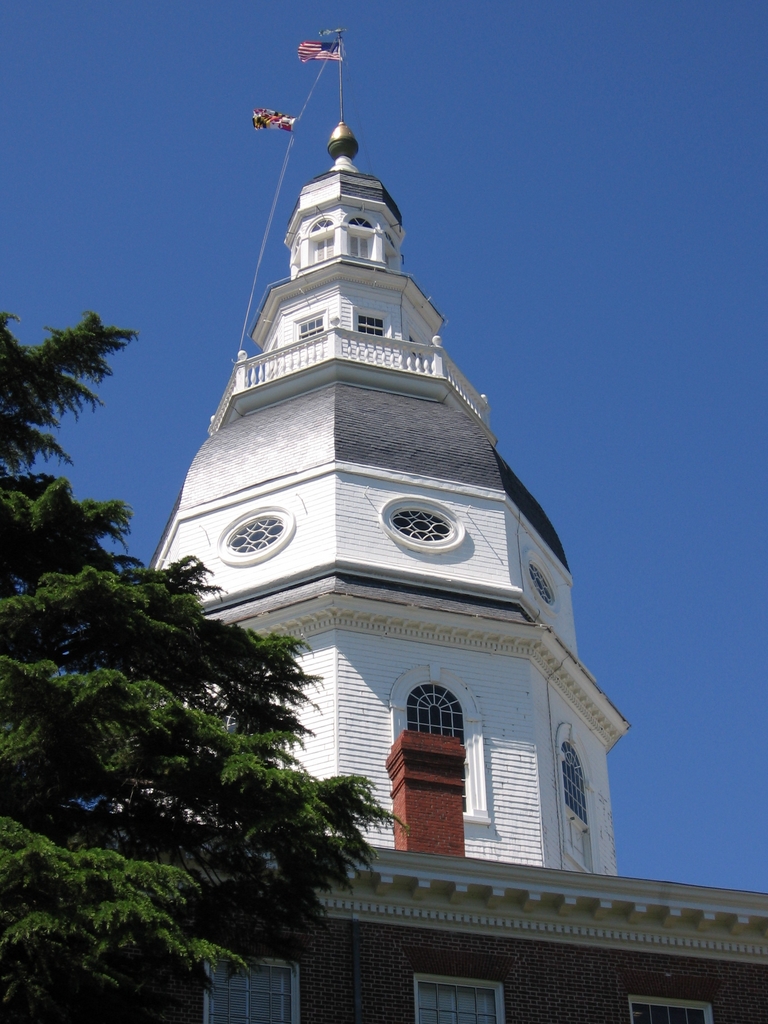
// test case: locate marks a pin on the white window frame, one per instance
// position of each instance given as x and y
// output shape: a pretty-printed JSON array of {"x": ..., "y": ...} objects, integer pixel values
[
  {"x": 355, "y": 237},
  {"x": 230, "y": 557},
  {"x": 309, "y": 320},
  {"x": 441, "y": 979},
  {"x": 534, "y": 557},
  {"x": 360, "y": 232},
  {"x": 324, "y": 235},
  {"x": 476, "y": 790},
  {"x": 377, "y": 314},
  {"x": 435, "y": 547},
  {"x": 571, "y": 820},
  {"x": 267, "y": 962},
  {"x": 693, "y": 1004}
]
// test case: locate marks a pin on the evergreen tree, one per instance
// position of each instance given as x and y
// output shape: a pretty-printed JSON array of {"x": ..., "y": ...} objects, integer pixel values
[{"x": 152, "y": 813}]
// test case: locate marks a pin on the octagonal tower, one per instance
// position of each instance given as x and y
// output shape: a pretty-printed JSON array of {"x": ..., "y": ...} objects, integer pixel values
[{"x": 351, "y": 493}]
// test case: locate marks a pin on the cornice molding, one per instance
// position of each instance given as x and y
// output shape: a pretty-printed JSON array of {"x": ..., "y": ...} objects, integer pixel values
[
  {"x": 420, "y": 890},
  {"x": 422, "y": 916},
  {"x": 540, "y": 646}
]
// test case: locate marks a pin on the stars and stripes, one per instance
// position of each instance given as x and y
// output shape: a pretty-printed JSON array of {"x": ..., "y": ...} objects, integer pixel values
[
  {"x": 263, "y": 118},
  {"x": 312, "y": 49}
]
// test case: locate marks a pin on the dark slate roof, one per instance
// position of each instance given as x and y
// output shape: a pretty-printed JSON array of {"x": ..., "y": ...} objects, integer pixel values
[
  {"x": 374, "y": 590},
  {"x": 359, "y": 186},
  {"x": 346, "y": 423}
]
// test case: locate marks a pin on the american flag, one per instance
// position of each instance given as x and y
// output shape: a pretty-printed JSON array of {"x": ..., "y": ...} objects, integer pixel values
[
  {"x": 263, "y": 118},
  {"x": 312, "y": 49}
]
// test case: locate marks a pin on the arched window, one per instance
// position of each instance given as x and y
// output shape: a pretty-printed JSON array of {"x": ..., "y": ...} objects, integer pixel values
[
  {"x": 323, "y": 247},
  {"x": 359, "y": 243},
  {"x": 434, "y": 709},
  {"x": 425, "y": 699},
  {"x": 573, "y": 782}
]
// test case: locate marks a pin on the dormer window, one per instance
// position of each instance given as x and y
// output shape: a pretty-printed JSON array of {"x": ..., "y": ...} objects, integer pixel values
[
  {"x": 322, "y": 247},
  {"x": 359, "y": 240}
]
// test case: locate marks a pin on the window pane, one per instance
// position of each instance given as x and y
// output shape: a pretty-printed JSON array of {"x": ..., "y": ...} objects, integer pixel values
[
  {"x": 312, "y": 327},
  {"x": 427, "y": 995},
  {"x": 659, "y": 1015},
  {"x": 695, "y": 1016},
  {"x": 370, "y": 325},
  {"x": 432, "y": 708},
  {"x": 573, "y": 782},
  {"x": 220, "y": 995},
  {"x": 677, "y": 1015},
  {"x": 456, "y": 1004},
  {"x": 262, "y": 996},
  {"x": 281, "y": 995},
  {"x": 641, "y": 1013},
  {"x": 238, "y": 1000},
  {"x": 486, "y": 1001},
  {"x": 446, "y": 997},
  {"x": 465, "y": 999},
  {"x": 259, "y": 994}
]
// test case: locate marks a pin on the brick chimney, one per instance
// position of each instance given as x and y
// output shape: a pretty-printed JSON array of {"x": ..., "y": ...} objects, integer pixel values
[{"x": 427, "y": 773}]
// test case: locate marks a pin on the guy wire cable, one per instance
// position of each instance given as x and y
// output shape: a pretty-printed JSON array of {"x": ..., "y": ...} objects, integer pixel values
[{"x": 274, "y": 206}]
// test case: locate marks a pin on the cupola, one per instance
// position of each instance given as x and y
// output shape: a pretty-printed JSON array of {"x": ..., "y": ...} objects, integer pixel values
[
  {"x": 344, "y": 215},
  {"x": 351, "y": 494}
]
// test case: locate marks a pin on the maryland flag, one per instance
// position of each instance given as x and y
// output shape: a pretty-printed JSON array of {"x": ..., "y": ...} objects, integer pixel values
[{"x": 263, "y": 118}]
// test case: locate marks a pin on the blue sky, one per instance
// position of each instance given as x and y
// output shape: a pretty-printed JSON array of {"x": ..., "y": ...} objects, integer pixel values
[{"x": 583, "y": 187}]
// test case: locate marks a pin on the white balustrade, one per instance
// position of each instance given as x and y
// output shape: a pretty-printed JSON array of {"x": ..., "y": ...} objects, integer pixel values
[{"x": 389, "y": 353}]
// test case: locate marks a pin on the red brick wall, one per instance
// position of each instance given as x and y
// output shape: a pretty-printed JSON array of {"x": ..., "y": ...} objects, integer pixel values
[
  {"x": 427, "y": 773},
  {"x": 544, "y": 983}
]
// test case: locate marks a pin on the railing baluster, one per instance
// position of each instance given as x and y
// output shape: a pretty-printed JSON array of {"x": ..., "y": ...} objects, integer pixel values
[{"x": 390, "y": 353}]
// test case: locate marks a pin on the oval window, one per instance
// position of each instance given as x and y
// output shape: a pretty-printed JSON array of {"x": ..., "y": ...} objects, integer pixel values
[
  {"x": 418, "y": 524},
  {"x": 543, "y": 587},
  {"x": 256, "y": 537},
  {"x": 422, "y": 525}
]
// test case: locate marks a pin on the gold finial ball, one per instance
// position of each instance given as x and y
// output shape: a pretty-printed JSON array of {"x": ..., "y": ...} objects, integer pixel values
[{"x": 342, "y": 142}]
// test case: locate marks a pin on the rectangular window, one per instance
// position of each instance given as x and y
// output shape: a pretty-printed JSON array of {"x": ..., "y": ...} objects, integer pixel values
[
  {"x": 358, "y": 247},
  {"x": 652, "y": 1011},
  {"x": 446, "y": 1003},
  {"x": 266, "y": 994},
  {"x": 324, "y": 249},
  {"x": 370, "y": 325},
  {"x": 311, "y": 327}
]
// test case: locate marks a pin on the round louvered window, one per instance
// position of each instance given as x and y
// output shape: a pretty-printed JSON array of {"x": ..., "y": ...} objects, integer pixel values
[
  {"x": 422, "y": 525},
  {"x": 256, "y": 537},
  {"x": 543, "y": 587}
]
